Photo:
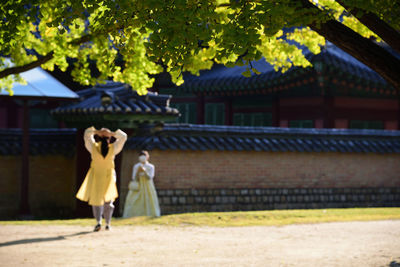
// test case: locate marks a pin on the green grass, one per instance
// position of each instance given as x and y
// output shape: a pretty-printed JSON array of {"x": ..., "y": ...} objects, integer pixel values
[{"x": 241, "y": 218}]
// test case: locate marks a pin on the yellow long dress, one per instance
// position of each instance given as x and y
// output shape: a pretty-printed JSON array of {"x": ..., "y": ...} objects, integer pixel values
[
  {"x": 142, "y": 202},
  {"x": 99, "y": 185}
]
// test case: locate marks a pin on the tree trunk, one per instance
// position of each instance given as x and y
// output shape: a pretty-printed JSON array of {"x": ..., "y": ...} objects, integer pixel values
[
  {"x": 377, "y": 25},
  {"x": 363, "y": 49}
]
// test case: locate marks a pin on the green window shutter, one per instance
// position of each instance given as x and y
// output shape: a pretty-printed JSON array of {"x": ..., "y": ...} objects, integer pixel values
[
  {"x": 238, "y": 119},
  {"x": 357, "y": 124},
  {"x": 192, "y": 117},
  {"x": 220, "y": 114},
  {"x": 247, "y": 119},
  {"x": 41, "y": 118},
  {"x": 301, "y": 124},
  {"x": 361, "y": 124},
  {"x": 252, "y": 119},
  {"x": 294, "y": 124},
  {"x": 209, "y": 109},
  {"x": 188, "y": 112},
  {"x": 378, "y": 125},
  {"x": 257, "y": 119},
  {"x": 267, "y": 119},
  {"x": 215, "y": 113},
  {"x": 307, "y": 124}
]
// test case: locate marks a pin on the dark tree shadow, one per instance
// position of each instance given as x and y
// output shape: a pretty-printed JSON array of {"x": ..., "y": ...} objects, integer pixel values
[
  {"x": 394, "y": 264},
  {"x": 45, "y": 239}
]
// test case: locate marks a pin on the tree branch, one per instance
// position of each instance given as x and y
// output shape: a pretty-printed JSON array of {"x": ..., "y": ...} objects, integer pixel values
[
  {"x": 363, "y": 49},
  {"x": 29, "y": 66},
  {"x": 377, "y": 25},
  {"x": 43, "y": 59}
]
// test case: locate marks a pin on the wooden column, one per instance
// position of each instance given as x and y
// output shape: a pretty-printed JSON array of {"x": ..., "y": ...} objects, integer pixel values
[
  {"x": 24, "y": 202},
  {"x": 328, "y": 111},
  {"x": 82, "y": 166},
  {"x": 228, "y": 112},
  {"x": 118, "y": 165},
  {"x": 275, "y": 112},
  {"x": 200, "y": 109},
  {"x": 398, "y": 111}
]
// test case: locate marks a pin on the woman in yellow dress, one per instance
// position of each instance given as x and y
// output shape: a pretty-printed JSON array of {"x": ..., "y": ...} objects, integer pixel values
[
  {"x": 142, "y": 196},
  {"x": 99, "y": 188}
]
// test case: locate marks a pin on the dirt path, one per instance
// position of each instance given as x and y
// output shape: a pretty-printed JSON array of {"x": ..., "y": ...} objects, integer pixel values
[{"x": 331, "y": 244}]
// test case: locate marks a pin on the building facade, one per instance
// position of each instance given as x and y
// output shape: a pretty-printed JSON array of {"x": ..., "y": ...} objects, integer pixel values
[{"x": 336, "y": 92}]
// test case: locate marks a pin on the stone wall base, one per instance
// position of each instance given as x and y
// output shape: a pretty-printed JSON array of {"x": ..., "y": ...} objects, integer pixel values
[{"x": 206, "y": 200}]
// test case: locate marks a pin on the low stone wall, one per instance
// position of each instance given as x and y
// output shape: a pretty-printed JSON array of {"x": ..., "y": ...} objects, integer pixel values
[
  {"x": 193, "y": 200},
  {"x": 251, "y": 180}
]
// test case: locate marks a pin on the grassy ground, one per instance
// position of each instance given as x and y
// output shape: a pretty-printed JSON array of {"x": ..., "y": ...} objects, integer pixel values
[{"x": 250, "y": 218}]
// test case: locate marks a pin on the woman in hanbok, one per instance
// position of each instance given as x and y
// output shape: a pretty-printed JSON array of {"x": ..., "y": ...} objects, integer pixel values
[
  {"x": 142, "y": 196},
  {"x": 99, "y": 188}
]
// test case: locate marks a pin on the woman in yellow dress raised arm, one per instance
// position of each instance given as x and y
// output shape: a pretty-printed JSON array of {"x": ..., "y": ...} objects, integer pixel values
[{"x": 99, "y": 188}]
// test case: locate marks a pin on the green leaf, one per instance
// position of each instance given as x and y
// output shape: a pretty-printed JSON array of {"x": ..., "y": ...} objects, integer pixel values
[
  {"x": 255, "y": 71},
  {"x": 247, "y": 73}
]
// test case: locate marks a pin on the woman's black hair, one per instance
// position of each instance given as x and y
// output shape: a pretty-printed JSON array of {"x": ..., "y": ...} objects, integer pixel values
[
  {"x": 145, "y": 153},
  {"x": 104, "y": 146},
  {"x": 104, "y": 143}
]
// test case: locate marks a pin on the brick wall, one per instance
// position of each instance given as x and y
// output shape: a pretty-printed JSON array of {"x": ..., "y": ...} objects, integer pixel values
[
  {"x": 216, "y": 180},
  {"x": 227, "y": 170},
  {"x": 51, "y": 186},
  {"x": 9, "y": 185}
]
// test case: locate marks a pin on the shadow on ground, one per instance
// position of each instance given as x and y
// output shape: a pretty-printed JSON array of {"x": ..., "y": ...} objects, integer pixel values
[
  {"x": 36, "y": 240},
  {"x": 394, "y": 264}
]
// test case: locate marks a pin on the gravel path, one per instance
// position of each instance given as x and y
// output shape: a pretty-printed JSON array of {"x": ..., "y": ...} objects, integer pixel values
[{"x": 374, "y": 243}]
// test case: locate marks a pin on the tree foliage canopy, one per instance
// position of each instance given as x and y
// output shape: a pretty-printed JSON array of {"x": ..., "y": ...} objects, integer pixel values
[{"x": 151, "y": 36}]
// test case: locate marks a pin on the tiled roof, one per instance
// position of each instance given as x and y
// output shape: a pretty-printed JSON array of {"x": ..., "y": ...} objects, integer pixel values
[
  {"x": 331, "y": 61},
  {"x": 41, "y": 141},
  {"x": 239, "y": 138},
  {"x": 118, "y": 98},
  {"x": 225, "y": 138}
]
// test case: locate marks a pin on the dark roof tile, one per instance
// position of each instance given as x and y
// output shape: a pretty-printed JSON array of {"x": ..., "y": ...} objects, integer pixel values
[
  {"x": 243, "y": 138},
  {"x": 41, "y": 141},
  {"x": 122, "y": 100},
  {"x": 331, "y": 59}
]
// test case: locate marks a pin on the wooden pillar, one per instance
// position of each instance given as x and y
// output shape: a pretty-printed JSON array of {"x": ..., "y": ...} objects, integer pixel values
[
  {"x": 12, "y": 115},
  {"x": 228, "y": 112},
  {"x": 118, "y": 165},
  {"x": 24, "y": 202},
  {"x": 275, "y": 112},
  {"x": 328, "y": 111},
  {"x": 398, "y": 111},
  {"x": 200, "y": 109},
  {"x": 82, "y": 209}
]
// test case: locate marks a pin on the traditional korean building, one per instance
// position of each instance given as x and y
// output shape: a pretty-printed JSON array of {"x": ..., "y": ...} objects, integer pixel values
[{"x": 336, "y": 92}]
